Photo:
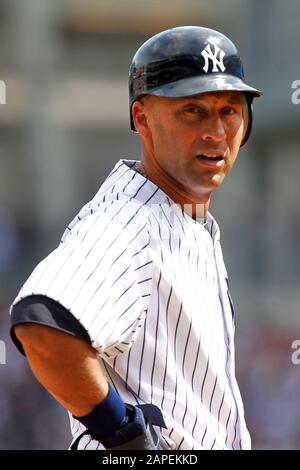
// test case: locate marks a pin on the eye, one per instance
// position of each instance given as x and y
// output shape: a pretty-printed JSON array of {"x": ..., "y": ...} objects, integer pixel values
[
  {"x": 195, "y": 110},
  {"x": 191, "y": 109},
  {"x": 228, "y": 110}
]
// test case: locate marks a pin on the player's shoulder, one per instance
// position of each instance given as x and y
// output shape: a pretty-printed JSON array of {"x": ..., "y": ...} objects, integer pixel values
[
  {"x": 112, "y": 215},
  {"x": 124, "y": 201}
]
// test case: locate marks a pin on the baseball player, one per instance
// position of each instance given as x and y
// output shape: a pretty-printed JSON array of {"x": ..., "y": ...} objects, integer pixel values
[{"x": 129, "y": 323}]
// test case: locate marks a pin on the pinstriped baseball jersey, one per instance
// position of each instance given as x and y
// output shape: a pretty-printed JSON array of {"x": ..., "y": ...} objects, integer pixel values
[{"x": 149, "y": 285}]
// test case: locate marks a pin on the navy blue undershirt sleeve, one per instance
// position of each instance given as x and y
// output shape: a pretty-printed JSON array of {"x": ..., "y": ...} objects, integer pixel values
[{"x": 45, "y": 311}]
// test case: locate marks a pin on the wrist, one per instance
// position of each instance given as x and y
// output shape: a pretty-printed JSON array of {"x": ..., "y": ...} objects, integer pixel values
[{"x": 107, "y": 416}]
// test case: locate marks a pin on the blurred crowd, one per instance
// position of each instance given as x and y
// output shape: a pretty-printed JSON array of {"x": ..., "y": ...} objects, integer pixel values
[{"x": 269, "y": 383}]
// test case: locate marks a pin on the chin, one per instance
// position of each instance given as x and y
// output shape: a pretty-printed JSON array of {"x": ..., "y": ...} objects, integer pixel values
[{"x": 214, "y": 183}]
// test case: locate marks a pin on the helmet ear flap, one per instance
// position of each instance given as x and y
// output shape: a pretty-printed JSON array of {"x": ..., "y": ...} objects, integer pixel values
[{"x": 247, "y": 116}]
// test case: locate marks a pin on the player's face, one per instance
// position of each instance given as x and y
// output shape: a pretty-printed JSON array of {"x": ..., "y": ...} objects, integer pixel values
[{"x": 195, "y": 140}]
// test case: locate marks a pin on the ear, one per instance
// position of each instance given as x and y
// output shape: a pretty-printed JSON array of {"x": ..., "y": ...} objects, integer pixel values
[{"x": 140, "y": 117}]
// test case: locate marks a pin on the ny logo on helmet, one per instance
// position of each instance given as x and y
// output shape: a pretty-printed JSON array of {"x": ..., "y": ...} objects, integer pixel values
[{"x": 213, "y": 56}]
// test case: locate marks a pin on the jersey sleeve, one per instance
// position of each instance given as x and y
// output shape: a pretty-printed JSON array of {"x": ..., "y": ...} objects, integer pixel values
[
  {"x": 41, "y": 310},
  {"x": 101, "y": 274}
]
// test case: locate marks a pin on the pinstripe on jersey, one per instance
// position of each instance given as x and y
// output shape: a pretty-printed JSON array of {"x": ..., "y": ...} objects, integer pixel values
[{"x": 149, "y": 285}]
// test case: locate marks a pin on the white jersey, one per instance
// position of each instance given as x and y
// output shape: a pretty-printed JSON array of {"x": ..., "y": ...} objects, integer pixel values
[{"x": 149, "y": 285}]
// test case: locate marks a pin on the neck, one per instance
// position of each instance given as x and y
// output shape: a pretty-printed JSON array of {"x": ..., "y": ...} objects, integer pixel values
[{"x": 196, "y": 205}]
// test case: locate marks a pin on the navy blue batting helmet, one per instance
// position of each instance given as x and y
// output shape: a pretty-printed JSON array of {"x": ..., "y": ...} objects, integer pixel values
[{"x": 187, "y": 61}]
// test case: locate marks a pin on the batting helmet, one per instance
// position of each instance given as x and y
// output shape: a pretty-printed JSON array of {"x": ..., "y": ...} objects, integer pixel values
[{"x": 187, "y": 61}]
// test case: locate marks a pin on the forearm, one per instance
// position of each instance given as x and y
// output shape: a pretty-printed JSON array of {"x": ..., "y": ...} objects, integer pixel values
[{"x": 66, "y": 366}]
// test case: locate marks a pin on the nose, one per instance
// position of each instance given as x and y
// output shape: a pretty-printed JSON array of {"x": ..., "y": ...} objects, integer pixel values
[{"x": 213, "y": 129}]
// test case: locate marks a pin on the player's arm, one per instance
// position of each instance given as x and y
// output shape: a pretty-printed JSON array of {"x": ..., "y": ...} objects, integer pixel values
[
  {"x": 65, "y": 365},
  {"x": 68, "y": 368}
]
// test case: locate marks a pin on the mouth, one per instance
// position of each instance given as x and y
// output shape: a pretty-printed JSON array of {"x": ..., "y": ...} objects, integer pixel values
[
  {"x": 210, "y": 158},
  {"x": 213, "y": 161}
]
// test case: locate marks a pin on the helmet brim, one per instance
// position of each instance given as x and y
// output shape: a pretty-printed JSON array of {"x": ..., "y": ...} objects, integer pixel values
[{"x": 203, "y": 84}]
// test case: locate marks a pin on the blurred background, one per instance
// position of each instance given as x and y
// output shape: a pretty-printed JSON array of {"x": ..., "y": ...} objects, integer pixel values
[{"x": 65, "y": 124}]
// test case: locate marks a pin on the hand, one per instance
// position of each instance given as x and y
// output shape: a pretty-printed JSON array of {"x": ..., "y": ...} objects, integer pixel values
[{"x": 136, "y": 434}]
